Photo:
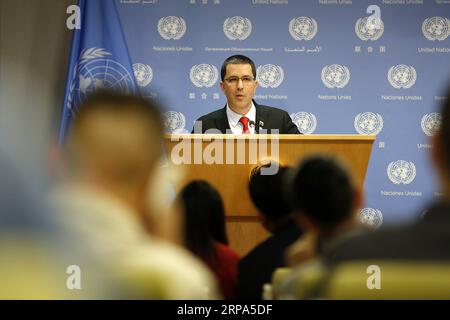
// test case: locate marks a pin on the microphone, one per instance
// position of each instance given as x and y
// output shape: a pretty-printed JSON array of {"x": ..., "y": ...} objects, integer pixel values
[{"x": 251, "y": 123}]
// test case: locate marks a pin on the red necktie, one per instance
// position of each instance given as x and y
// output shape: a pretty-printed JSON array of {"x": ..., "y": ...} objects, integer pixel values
[{"x": 245, "y": 121}]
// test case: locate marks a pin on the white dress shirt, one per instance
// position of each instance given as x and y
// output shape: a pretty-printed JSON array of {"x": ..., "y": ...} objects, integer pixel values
[
  {"x": 233, "y": 120},
  {"x": 116, "y": 237}
]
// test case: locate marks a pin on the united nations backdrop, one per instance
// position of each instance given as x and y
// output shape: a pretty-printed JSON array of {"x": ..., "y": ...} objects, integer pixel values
[{"x": 337, "y": 66}]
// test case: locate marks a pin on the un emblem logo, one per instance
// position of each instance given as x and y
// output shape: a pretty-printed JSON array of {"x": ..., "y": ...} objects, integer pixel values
[
  {"x": 402, "y": 76},
  {"x": 401, "y": 172},
  {"x": 335, "y": 76},
  {"x": 270, "y": 75},
  {"x": 303, "y": 28},
  {"x": 371, "y": 217},
  {"x": 204, "y": 75},
  {"x": 96, "y": 70},
  {"x": 143, "y": 74},
  {"x": 174, "y": 122},
  {"x": 430, "y": 123},
  {"x": 436, "y": 28},
  {"x": 237, "y": 28},
  {"x": 368, "y": 123},
  {"x": 305, "y": 122},
  {"x": 369, "y": 29},
  {"x": 171, "y": 28}
]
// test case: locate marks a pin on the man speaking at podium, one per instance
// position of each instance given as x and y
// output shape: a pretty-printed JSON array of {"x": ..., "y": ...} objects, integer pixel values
[{"x": 241, "y": 114}]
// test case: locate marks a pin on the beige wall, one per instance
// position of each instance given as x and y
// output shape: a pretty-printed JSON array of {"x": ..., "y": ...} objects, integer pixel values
[{"x": 34, "y": 45}]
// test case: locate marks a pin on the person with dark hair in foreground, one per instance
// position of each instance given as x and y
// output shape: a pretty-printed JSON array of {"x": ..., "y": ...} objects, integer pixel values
[
  {"x": 325, "y": 203},
  {"x": 256, "y": 268},
  {"x": 241, "y": 114},
  {"x": 205, "y": 233},
  {"x": 112, "y": 158}
]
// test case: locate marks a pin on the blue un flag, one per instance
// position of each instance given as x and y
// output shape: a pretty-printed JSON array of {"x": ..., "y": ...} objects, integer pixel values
[{"x": 99, "y": 58}]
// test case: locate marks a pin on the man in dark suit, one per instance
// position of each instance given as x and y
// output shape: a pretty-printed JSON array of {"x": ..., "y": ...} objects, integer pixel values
[
  {"x": 427, "y": 239},
  {"x": 241, "y": 114}
]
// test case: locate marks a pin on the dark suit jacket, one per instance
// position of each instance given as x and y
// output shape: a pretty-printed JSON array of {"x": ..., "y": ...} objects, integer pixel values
[
  {"x": 257, "y": 267},
  {"x": 427, "y": 239},
  {"x": 266, "y": 118}
]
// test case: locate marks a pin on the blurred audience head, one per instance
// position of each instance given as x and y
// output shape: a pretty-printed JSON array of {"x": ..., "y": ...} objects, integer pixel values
[
  {"x": 323, "y": 194},
  {"x": 266, "y": 192},
  {"x": 204, "y": 218},
  {"x": 115, "y": 143}
]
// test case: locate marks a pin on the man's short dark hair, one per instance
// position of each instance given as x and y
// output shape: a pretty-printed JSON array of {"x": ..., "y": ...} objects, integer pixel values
[
  {"x": 322, "y": 189},
  {"x": 445, "y": 127},
  {"x": 266, "y": 192},
  {"x": 237, "y": 59}
]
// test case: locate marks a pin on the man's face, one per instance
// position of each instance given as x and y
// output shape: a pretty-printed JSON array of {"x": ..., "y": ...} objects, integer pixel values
[{"x": 239, "y": 93}]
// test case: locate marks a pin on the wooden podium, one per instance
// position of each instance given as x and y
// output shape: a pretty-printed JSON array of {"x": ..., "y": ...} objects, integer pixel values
[{"x": 226, "y": 161}]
